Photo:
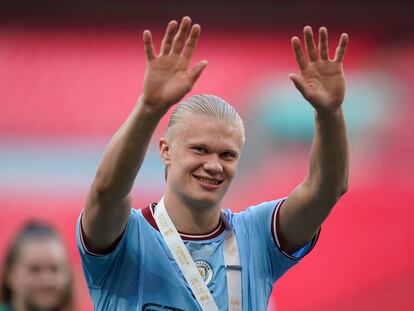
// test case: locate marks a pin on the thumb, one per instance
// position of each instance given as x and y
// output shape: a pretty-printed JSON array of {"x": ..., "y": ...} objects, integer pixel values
[
  {"x": 197, "y": 70},
  {"x": 299, "y": 83}
]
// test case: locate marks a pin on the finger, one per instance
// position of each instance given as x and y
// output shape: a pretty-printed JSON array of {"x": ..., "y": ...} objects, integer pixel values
[
  {"x": 299, "y": 55},
  {"x": 310, "y": 44},
  {"x": 340, "y": 50},
  {"x": 197, "y": 70},
  {"x": 148, "y": 46},
  {"x": 299, "y": 83},
  {"x": 180, "y": 36},
  {"x": 191, "y": 41},
  {"x": 323, "y": 43},
  {"x": 168, "y": 37}
]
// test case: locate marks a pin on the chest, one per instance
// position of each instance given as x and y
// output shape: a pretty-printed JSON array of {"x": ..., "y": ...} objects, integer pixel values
[{"x": 162, "y": 280}]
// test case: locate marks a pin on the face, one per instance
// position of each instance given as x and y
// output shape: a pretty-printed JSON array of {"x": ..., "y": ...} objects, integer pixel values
[
  {"x": 201, "y": 157},
  {"x": 40, "y": 276}
]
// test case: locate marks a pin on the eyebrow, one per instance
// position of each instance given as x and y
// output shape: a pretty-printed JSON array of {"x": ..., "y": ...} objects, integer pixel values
[{"x": 203, "y": 145}]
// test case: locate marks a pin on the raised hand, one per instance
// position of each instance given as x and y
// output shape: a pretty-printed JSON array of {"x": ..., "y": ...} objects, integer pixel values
[
  {"x": 321, "y": 80},
  {"x": 168, "y": 77}
]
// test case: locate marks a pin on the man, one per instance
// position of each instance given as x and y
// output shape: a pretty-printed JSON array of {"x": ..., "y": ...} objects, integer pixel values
[{"x": 130, "y": 265}]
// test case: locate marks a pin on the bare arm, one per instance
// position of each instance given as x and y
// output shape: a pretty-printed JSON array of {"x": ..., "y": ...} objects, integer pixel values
[
  {"x": 167, "y": 80},
  {"x": 322, "y": 83}
]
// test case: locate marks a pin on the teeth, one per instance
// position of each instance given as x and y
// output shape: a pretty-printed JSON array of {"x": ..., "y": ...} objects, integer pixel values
[{"x": 209, "y": 181}]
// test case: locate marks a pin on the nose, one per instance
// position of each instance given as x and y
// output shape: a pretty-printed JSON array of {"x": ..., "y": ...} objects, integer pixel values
[
  {"x": 212, "y": 164},
  {"x": 47, "y": 277}
]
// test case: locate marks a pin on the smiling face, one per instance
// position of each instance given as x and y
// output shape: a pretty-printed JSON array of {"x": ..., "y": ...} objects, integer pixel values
[{"x": 201, "y": 156}]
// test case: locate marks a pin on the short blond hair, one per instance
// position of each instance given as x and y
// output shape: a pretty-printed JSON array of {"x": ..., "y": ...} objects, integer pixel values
[{"x": 207, "y": 107}]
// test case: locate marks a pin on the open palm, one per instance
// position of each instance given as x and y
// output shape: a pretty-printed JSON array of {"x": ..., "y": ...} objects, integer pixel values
[
  {"x": 321, "y": 80},
  {"x": 168, "y": 77}
]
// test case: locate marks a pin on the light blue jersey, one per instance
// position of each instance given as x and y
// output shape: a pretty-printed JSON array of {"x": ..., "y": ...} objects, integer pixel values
[{"x": 141, "y": 274}]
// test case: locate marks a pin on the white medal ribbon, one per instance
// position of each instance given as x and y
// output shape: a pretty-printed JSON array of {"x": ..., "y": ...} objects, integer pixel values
[
  {"x": 233, "y": 268},
  {"x": 189, "y": 269}
]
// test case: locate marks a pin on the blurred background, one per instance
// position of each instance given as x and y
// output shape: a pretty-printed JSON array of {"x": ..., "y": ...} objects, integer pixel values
[{"x": 71, "y": 71}]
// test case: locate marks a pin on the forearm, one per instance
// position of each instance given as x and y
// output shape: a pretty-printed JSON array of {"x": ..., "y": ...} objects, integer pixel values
[
  {"x": 329, "y": 162},
  {"x": 311, "y": 202},
  {"x": 124, "y": 155}
]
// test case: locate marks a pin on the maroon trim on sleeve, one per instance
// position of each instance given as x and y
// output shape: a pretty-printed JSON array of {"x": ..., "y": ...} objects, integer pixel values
[
  {"x": 275, "y": 217},
  {"x": 274, "y": 226},
  {"x": 97, "y": 252}
]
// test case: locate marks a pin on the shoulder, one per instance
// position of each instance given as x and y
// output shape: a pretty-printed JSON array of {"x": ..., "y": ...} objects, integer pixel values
[
  {"x": 259, "y": 212},
  {"x": 130, "y": 230},
  {"x": 256, "y": 219}
]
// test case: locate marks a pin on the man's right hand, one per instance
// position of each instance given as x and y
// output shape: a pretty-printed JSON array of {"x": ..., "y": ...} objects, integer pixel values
[{"x": 168, "y": 78}]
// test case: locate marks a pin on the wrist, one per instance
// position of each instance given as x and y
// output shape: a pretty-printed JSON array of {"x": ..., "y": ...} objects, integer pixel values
[
  {"x": 150, "y": 109},
  {"x": 329, "y": 113}
]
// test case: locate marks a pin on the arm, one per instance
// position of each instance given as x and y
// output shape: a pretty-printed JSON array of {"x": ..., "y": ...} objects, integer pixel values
[
  {"x": 167, "y": 80},
  {"x": 322, "y": 84}
]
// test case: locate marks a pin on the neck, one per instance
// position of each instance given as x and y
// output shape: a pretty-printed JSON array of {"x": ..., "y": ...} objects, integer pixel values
[{"x": 190, "y": 217}]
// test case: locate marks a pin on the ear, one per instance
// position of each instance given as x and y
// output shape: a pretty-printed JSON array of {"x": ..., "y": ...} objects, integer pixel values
[{"x": 164, "y": 151}]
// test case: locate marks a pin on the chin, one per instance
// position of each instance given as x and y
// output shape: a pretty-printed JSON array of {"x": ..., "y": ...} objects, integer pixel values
[
  {"x": 45, "y": 305},
  {"x": 203, "y": 201}
]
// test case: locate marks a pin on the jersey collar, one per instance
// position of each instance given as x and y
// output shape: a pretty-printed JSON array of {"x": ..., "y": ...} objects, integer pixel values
[{"x": 147, "y": 213}]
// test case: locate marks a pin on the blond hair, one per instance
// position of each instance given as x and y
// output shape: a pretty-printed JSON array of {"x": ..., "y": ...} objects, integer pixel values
[{"x": 206, "y": 107}]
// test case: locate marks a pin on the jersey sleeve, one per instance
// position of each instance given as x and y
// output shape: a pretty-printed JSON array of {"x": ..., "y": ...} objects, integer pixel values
[
  {"x": 117, "y": 269},
  {"x": 300, "y": 253},
  {"x": 260, "y": 232}
]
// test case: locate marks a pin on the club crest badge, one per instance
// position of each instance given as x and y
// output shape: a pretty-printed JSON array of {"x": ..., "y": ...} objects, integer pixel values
[{"x": 205, "y": 270}]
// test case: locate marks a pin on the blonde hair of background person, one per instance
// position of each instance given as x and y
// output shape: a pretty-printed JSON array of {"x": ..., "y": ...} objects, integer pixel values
[{"x": 36, "y": 271}]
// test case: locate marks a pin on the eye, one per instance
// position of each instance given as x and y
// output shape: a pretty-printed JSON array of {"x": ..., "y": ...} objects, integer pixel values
[
  {"x": 54, "y": 268},
  {"x": 199, "y": 150},
  {"x": 34, "y": 269},
  {"x": 228, "y": 155}
]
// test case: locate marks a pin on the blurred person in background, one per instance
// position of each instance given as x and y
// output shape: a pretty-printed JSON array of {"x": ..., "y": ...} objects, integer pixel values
[
  {"x": 185, "y": 253},
  {"x": 36, "y": 272}
]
